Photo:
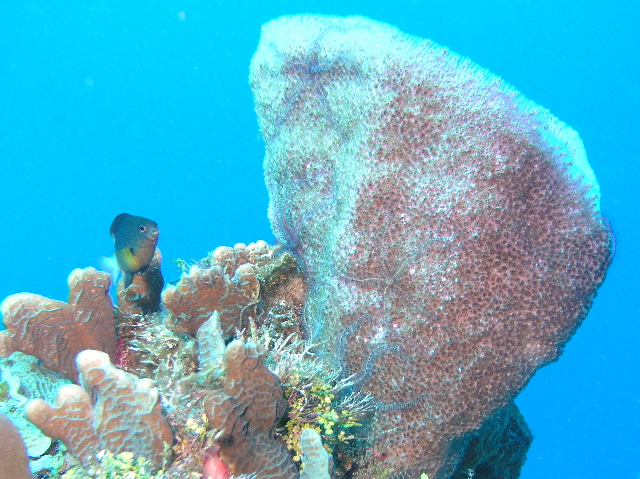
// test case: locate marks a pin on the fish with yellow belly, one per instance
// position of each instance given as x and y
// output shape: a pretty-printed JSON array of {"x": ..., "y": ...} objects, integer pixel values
[{"x": 135, "y": 241}]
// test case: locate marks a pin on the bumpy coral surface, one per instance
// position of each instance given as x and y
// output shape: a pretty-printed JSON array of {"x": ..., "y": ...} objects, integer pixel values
[
  {"x": 126, "y": 416},
  {"x": 211, "y": 347},
  {"x": 71, "y": 421},
  {"x": 225, "y": 282},
  {"x": 245, "y": 414},
  {"x": 448, "y": 228},
  {"x": 54, "y": 331}
]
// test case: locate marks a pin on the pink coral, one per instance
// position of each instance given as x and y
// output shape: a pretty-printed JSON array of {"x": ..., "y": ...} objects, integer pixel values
[
  {"x": 448, "y": 227},
  {"x": 71, "y": 420},
  {"x": 226, "y": 283},
  {"x": 126, "y": 416},
  {"x": 245, "y": 413},
  {"x": 54, "y": 331}
]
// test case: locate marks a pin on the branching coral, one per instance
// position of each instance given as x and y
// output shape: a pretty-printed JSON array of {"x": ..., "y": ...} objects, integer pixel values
[
  {"x": 125, "y": 418},
  {"x": 55, "y": 332},
  {"x": 225, "y": 282},
  {"x": 245, "y": 412}
]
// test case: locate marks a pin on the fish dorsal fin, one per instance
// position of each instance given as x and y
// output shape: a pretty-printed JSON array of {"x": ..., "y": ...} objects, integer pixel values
[{"x": 117, "y": 222}]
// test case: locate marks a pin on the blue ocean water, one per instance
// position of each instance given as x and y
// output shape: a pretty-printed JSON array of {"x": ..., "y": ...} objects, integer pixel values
[{"x": 144, "y": 107}]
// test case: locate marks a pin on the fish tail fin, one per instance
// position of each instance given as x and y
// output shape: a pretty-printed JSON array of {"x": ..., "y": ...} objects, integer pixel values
[{"x": 110, "y": 265}]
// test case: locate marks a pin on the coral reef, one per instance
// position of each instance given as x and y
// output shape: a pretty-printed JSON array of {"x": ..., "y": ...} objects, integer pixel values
[
  {"x": 113, "y": 425},
  {"x": 244, "y": 415},
  {"x": 264, "y": 406},
  {"x": 447, "y": 227},
  {"x": 126, "y": 416},
  {"x": 224, "y": 282},
  {"x": 213, "y": 394},
  {"x": 54, "y": 331},
  {"x": 440, "y": 242}
]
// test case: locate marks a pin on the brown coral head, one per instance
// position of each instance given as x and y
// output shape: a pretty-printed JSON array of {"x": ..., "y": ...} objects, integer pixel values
[
  {"x": 245, "y": 412},
  {"x": 54, "y": 331}
]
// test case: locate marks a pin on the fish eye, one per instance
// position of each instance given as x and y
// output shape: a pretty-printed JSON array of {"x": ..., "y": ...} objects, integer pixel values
[{"x": 143, "y": 228}]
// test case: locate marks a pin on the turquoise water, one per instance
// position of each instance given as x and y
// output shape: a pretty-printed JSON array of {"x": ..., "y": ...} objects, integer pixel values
[{"x": 145, "y": 108}]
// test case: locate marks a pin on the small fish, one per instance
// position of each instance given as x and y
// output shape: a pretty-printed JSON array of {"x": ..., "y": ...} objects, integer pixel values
[{"x": 135, "y": 240}]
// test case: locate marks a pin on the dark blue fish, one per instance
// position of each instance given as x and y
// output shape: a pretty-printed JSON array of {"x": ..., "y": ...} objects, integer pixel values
[{"x": 135, "y": 240}]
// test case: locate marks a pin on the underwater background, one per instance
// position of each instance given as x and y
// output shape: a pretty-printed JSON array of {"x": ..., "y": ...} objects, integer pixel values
[{"x": 145, "y": 108}]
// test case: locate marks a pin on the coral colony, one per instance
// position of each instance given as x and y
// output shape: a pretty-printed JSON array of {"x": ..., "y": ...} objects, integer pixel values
[{"x": 440, "y": 241}]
